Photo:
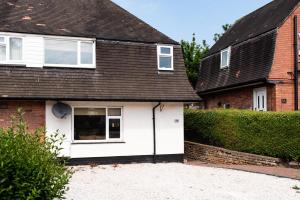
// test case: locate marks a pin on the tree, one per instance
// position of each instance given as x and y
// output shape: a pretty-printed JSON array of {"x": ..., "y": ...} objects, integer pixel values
[
  {"x": 225, "y": 27},
  {"x": 192, "y": 54}
]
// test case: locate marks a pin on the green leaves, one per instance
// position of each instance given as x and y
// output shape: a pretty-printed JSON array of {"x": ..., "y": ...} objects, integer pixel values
[
  {"x": 29, "y": 167},
  {"x": 265, "y": 133},
  {"x": 225, "y": 27},
  {"x": 192, "y": 54}
]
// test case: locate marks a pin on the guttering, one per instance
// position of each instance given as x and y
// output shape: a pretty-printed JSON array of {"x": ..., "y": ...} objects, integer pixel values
[
  {"x": 296, "y": 63},
  {"x": 154, "y": 131},
  {"x": 46, "y": 98}
]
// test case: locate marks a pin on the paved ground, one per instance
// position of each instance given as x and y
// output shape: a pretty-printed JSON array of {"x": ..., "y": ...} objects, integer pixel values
[
  {"x": 177, "y": 182},
  {"x": 293, "y": 173}
]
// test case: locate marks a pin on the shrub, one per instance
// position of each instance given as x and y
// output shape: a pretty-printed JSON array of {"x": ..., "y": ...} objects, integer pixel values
[
  {"x": 29, "y": 164},
  {"x": 264, "y": 133}
]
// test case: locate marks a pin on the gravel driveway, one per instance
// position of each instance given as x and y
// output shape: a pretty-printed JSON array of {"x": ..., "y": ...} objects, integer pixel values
[{"x": 176, "y": 182}]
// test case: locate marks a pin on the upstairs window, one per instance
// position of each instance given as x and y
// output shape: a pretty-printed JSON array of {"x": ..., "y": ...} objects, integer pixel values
[
  {"x": 11, "y": 49},
  {"x": 69, "y": 53},
  {"x": 225, "y": 57},
  {"x": 165, "y": 57}
]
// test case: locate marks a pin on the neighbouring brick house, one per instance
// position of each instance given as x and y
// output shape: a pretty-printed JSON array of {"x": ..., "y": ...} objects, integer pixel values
[
  {"x": 111, "y": 83},
  {"x": 254, "y": 65}
]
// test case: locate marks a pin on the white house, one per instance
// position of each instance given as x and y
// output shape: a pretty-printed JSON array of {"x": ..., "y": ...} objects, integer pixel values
[{"x": 111, "y": 83}]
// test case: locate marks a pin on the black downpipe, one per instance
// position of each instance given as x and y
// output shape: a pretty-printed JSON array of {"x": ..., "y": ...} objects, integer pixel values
[
  {"x": 296, "y": 62},
  {"x": 154, "y": 132}
]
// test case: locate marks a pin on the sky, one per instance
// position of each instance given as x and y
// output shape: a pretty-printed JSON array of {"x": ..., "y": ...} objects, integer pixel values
[{"x": 179, "y": 19}]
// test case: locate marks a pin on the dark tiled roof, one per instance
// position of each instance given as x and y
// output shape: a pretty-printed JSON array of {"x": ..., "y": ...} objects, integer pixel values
[
  {"x": 258, "y": 22},
  {"x": 250, "y": 61},
  {"x": 125, "y": 71},
  {"x": 83, "y": 18}
]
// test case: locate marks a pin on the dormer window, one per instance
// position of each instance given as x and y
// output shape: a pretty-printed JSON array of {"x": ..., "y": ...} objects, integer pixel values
[
  {"x": 165, "y": 58},
  {"x": 69, "y": 53},
  {"x": 225, "y": 58},
  {"x": 11, "y": 49}
]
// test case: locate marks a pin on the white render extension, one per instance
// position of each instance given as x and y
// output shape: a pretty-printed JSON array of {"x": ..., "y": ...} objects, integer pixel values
[{"x": 136, "y": 131}]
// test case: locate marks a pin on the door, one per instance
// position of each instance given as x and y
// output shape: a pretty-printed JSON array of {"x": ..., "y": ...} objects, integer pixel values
[{"x": 260, "y": 99}]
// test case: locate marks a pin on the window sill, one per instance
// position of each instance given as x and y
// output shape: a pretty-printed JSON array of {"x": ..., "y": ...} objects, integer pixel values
[
  {"x": 13, "y": 64},
  {"x": 171, "y": 71},
  {"x": 96, "y": 142},
  {"x": 68, "y": 66},
  {"x": 224, "y": 68}
]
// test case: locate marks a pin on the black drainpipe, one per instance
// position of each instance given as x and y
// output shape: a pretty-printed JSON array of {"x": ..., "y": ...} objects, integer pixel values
[
  {"x": 154, "y": 132},
  {"x": 296, "y": 62}
]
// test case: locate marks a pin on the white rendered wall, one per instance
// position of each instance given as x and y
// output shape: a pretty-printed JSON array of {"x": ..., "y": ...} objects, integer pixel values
[{"x": 137, "y": 130}]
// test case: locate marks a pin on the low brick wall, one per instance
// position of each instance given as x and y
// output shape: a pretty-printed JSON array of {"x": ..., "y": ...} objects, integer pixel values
[{"x": 216, "y": 155}]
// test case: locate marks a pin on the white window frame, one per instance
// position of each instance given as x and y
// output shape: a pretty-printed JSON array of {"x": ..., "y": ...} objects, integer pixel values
[
  {"x": 78, "y": 65},
  {"x": 228, "y": 50},
  {"x": 107, "y": 140},
  {"x": 7, "y": 44},
  {"x": 159, "y": 54}
]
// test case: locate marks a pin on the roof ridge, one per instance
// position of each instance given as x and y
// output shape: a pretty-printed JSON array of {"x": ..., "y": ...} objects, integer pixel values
[
  {"x": 132, "y": 15},
  {"x": 262, "y": 20}
]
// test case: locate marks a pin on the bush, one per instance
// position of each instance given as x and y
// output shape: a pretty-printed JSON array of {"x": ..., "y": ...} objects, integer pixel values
[
  {"x": 264, "y": 133},
  {"x": 29, "y": 165}
]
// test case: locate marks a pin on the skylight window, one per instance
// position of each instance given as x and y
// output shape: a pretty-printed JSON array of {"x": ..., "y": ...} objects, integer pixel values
[{"x": 225, "y": 58}]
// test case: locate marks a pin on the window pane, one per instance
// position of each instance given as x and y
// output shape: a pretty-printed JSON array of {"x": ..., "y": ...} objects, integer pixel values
[
  {"x": 114, "y": 112},
  {"x": 15, "y": 48},
  {"x": 90, "y": 124},
  {"x": 165, "y": 62},
  {"x": 165, "y": 50},
  {"x": 2, "y": 52},
  {"x": 114, "y": 128},
  {"x": 60, "y": 52},
  {"x": 86, "y": 53},
  {"x": 224, "y": 58},
  {"x": 2, "y": 39}
]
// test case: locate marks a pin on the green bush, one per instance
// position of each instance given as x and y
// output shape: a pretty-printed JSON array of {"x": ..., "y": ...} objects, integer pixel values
[
  {"x": 265, "y": 133},
  {"x": 29, "y": 166}
]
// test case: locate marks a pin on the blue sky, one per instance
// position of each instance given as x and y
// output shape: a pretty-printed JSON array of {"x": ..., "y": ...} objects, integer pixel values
[{"x": 179, "y": 19}]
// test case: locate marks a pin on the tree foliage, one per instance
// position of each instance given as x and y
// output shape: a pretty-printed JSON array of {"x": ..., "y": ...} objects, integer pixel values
[
  {"x": 225, "y": 27},
  {"x": 192, "y": 54}
]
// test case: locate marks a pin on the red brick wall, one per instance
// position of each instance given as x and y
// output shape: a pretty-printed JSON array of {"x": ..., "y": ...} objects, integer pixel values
[
  {"x": 34, "y": 113},
  {"x": 283, "y": 64},
  {"x": 239, "y": 98}
]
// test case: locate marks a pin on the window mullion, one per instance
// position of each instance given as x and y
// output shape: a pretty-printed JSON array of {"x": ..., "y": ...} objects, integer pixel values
[
  {"x": 7, "y": 48},
  {"x": 107, "y": 125},
  {"x": 78, "y": 53}
]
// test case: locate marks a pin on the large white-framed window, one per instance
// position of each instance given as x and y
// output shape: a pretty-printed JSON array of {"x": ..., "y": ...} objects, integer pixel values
[
  {"x": 11, "y": 49},
  {"x": 225, "y": 58},
  {"x": 165, "y": 57},
  {"x": 97, "y": 124},
  {"x": 69, "y": 53}
]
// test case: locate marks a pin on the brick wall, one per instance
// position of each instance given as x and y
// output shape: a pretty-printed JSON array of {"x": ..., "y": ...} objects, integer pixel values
[
  {"x": 283, "y": 64},
  {"x": 239, "y": 98},
  {"x": 34, "y": 113},
  {"x": 215, "y": 155}
]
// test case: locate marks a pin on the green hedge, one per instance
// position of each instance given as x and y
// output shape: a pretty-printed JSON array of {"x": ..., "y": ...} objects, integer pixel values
[{"x": 264, "y": 133}]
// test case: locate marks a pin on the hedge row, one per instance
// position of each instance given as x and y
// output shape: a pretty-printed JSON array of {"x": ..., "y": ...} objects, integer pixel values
[{"x": 264, "y": 133}]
